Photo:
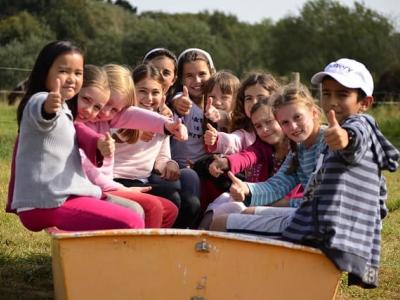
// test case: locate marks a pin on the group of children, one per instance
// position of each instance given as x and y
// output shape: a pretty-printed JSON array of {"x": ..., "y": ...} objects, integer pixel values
[{"x": 176, "y": 143}]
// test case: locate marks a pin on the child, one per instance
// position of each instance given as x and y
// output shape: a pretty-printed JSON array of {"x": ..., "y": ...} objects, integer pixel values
[
  {"x": 159, "y": 212},
  {"x": 220, "y": 91},
  {"x": 195, "y": 67},
  {"x": 135, "y": 162},
  {"x": 345, "y": 199},
  {"x": 299, "y": 117},
  {"x": 48, "y": 187},
  {"x": 259, "y": 161},
  {"x": 92, "y": 97},
  {"x": 166, "y": 62},
  {"x": 253, "y": 88}
]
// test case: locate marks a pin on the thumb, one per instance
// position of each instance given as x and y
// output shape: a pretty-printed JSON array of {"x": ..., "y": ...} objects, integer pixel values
[
  {"x": 57, "y": 87},
  {"x": 210, "y": 127},
  {"x": 233, "y": 177},
  {"x": 209, "y": 103},
  {"x": 185, "y": 91},
  {"x": 108, "y": 136},
  {"x": 332, "y": 122}
]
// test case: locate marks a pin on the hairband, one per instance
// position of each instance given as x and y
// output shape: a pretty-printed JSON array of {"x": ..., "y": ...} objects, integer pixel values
[{"x": 205, "y": 53}]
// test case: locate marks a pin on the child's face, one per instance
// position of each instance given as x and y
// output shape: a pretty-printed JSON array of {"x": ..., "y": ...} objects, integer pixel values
[
  {"x": 221, "y": 101},
  {"x": 252, "y": 95},
  {"x": 91, "y": 100},
  {"x": 297, "y": 121},
  {"x": 68, "y": 68},
  {"x": 266, "y": 126},
  {"x": 341, "y": 99},
  {"x": 166, "y": 67},
  {"x": 115, "y": 104},
  {"x": 149, "y": 93},
  {"x": 194, "y": 75}
]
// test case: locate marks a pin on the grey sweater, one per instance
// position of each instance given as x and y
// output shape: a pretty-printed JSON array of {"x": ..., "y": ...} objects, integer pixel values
[{"x": 48, "y": 166}]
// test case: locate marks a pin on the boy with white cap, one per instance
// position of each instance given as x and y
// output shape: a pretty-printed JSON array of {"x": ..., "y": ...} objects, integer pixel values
[{"x": 344, "y": 201}]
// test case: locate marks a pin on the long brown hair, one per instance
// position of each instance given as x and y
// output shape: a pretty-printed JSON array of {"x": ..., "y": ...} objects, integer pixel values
[{"x": 239, "y": 118}]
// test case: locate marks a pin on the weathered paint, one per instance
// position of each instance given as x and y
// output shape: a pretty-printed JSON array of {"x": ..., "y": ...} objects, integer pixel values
[{"x": 186, "y": 264}]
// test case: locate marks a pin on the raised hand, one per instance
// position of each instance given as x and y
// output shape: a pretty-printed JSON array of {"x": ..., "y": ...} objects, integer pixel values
[
  {"x": 106, "y": 145},
  {"x": 211, "y": 112},
  {"x": 210, "y": 136},
  {"x": 336, "y": 137},
  {"x": 54, "y": 100},
  {"x": 177, "y": 129},
  {"x": 183, "y": 104},
  {"x": 239, "y": 189},
  {"x": 218, "y": 166}
]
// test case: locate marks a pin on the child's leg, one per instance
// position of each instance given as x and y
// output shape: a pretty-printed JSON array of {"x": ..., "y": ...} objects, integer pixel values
[
  {"x": 206, "y": 221},
  {"x": 124, "y": 202},
  {"x": 190, "y": 182},
  {"x": 159, "y": 212},
  {"x": 271, "y": 222},
  {"x": 82, "y": 213}
]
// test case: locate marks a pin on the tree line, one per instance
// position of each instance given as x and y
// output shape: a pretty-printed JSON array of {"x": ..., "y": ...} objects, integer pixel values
[{"x": 112, "y": 31}]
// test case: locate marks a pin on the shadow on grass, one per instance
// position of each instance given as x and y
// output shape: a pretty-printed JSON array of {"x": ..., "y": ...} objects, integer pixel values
[{"x": 26, "y": 278}]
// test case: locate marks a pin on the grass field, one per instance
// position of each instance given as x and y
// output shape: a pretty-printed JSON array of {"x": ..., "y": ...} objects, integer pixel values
[{"x": 25, "y": 259}]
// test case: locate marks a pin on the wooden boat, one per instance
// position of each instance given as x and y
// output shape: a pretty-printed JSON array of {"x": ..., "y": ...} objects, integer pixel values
[{"x": 186, "y": 264}]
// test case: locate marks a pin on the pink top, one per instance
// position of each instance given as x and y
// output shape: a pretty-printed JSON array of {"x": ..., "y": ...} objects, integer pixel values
[
  {"x": 130, "y": 118},
  {"x": 228, "y": 143}
]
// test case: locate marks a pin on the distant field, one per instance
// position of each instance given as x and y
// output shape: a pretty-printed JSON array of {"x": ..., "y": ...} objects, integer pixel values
[{"x": 25, "y": 261}]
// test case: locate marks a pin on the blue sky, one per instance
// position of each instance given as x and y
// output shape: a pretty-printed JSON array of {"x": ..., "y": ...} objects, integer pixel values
[{"x": 253, "y": 11}]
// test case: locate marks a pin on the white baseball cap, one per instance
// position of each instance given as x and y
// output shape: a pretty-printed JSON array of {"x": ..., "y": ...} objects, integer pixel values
[{"x": 349, "y": 73}]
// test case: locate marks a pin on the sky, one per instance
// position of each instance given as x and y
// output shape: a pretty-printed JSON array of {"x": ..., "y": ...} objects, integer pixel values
[{"x": 253, "y": 11}]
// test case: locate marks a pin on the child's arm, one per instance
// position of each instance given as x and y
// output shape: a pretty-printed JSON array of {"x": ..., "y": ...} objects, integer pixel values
[
  {"x": 228, "y": 143},
  {"x": 275, "y": 187},
  {"x": 137, "y": 118},
  {"x": 87, "y": 141},
  {"x": 97, "y": 177},
  {"x": 255, "y": 153}
]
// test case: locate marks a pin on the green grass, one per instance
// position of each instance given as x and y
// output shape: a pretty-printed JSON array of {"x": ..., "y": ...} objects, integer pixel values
[{"x": 25, "y": 257}]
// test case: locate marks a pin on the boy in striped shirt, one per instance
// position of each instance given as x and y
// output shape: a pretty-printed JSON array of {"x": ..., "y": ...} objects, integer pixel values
[{"x": 344, "y": 202}]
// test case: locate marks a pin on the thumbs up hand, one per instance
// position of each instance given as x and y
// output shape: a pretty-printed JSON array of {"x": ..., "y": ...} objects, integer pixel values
[
  {"x": 336, "y": 137},
  {"x": 239, "y": 189},
  {"x": 182, "y": 104},
  {"x": 210, "y": 136},
  {"x": 211, "y": 112},
  {"x": 54, "y": 100},
  {"x": 177, "y": 129},
  {"x": 106, "y": 145}
]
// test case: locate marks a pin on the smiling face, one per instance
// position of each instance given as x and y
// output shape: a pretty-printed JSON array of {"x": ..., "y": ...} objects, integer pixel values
[
  {"x": 166, "y": 66},
  {"x": 266, "y": 126},
  {"x": 344, "y": 101},
  {"x": 298, "y": 122},
  {"x": 194, "y": 75},
  {"x": 221, "y": 101},
  {"x": 91, "y": 100},
  {"x": 115, "y": 104},
  {"x": 149, "y": 93},
  {"x": 252, "y": 95},
  {"x": 68, "y": 68}
]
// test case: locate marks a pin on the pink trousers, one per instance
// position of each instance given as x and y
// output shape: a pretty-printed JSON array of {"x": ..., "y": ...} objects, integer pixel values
[
  {"x": 82, "y": 213},
  {"x": 158, "y": 212}
]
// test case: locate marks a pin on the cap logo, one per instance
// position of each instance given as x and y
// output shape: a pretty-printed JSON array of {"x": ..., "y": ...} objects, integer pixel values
[{"x": 341, "y": 67}]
